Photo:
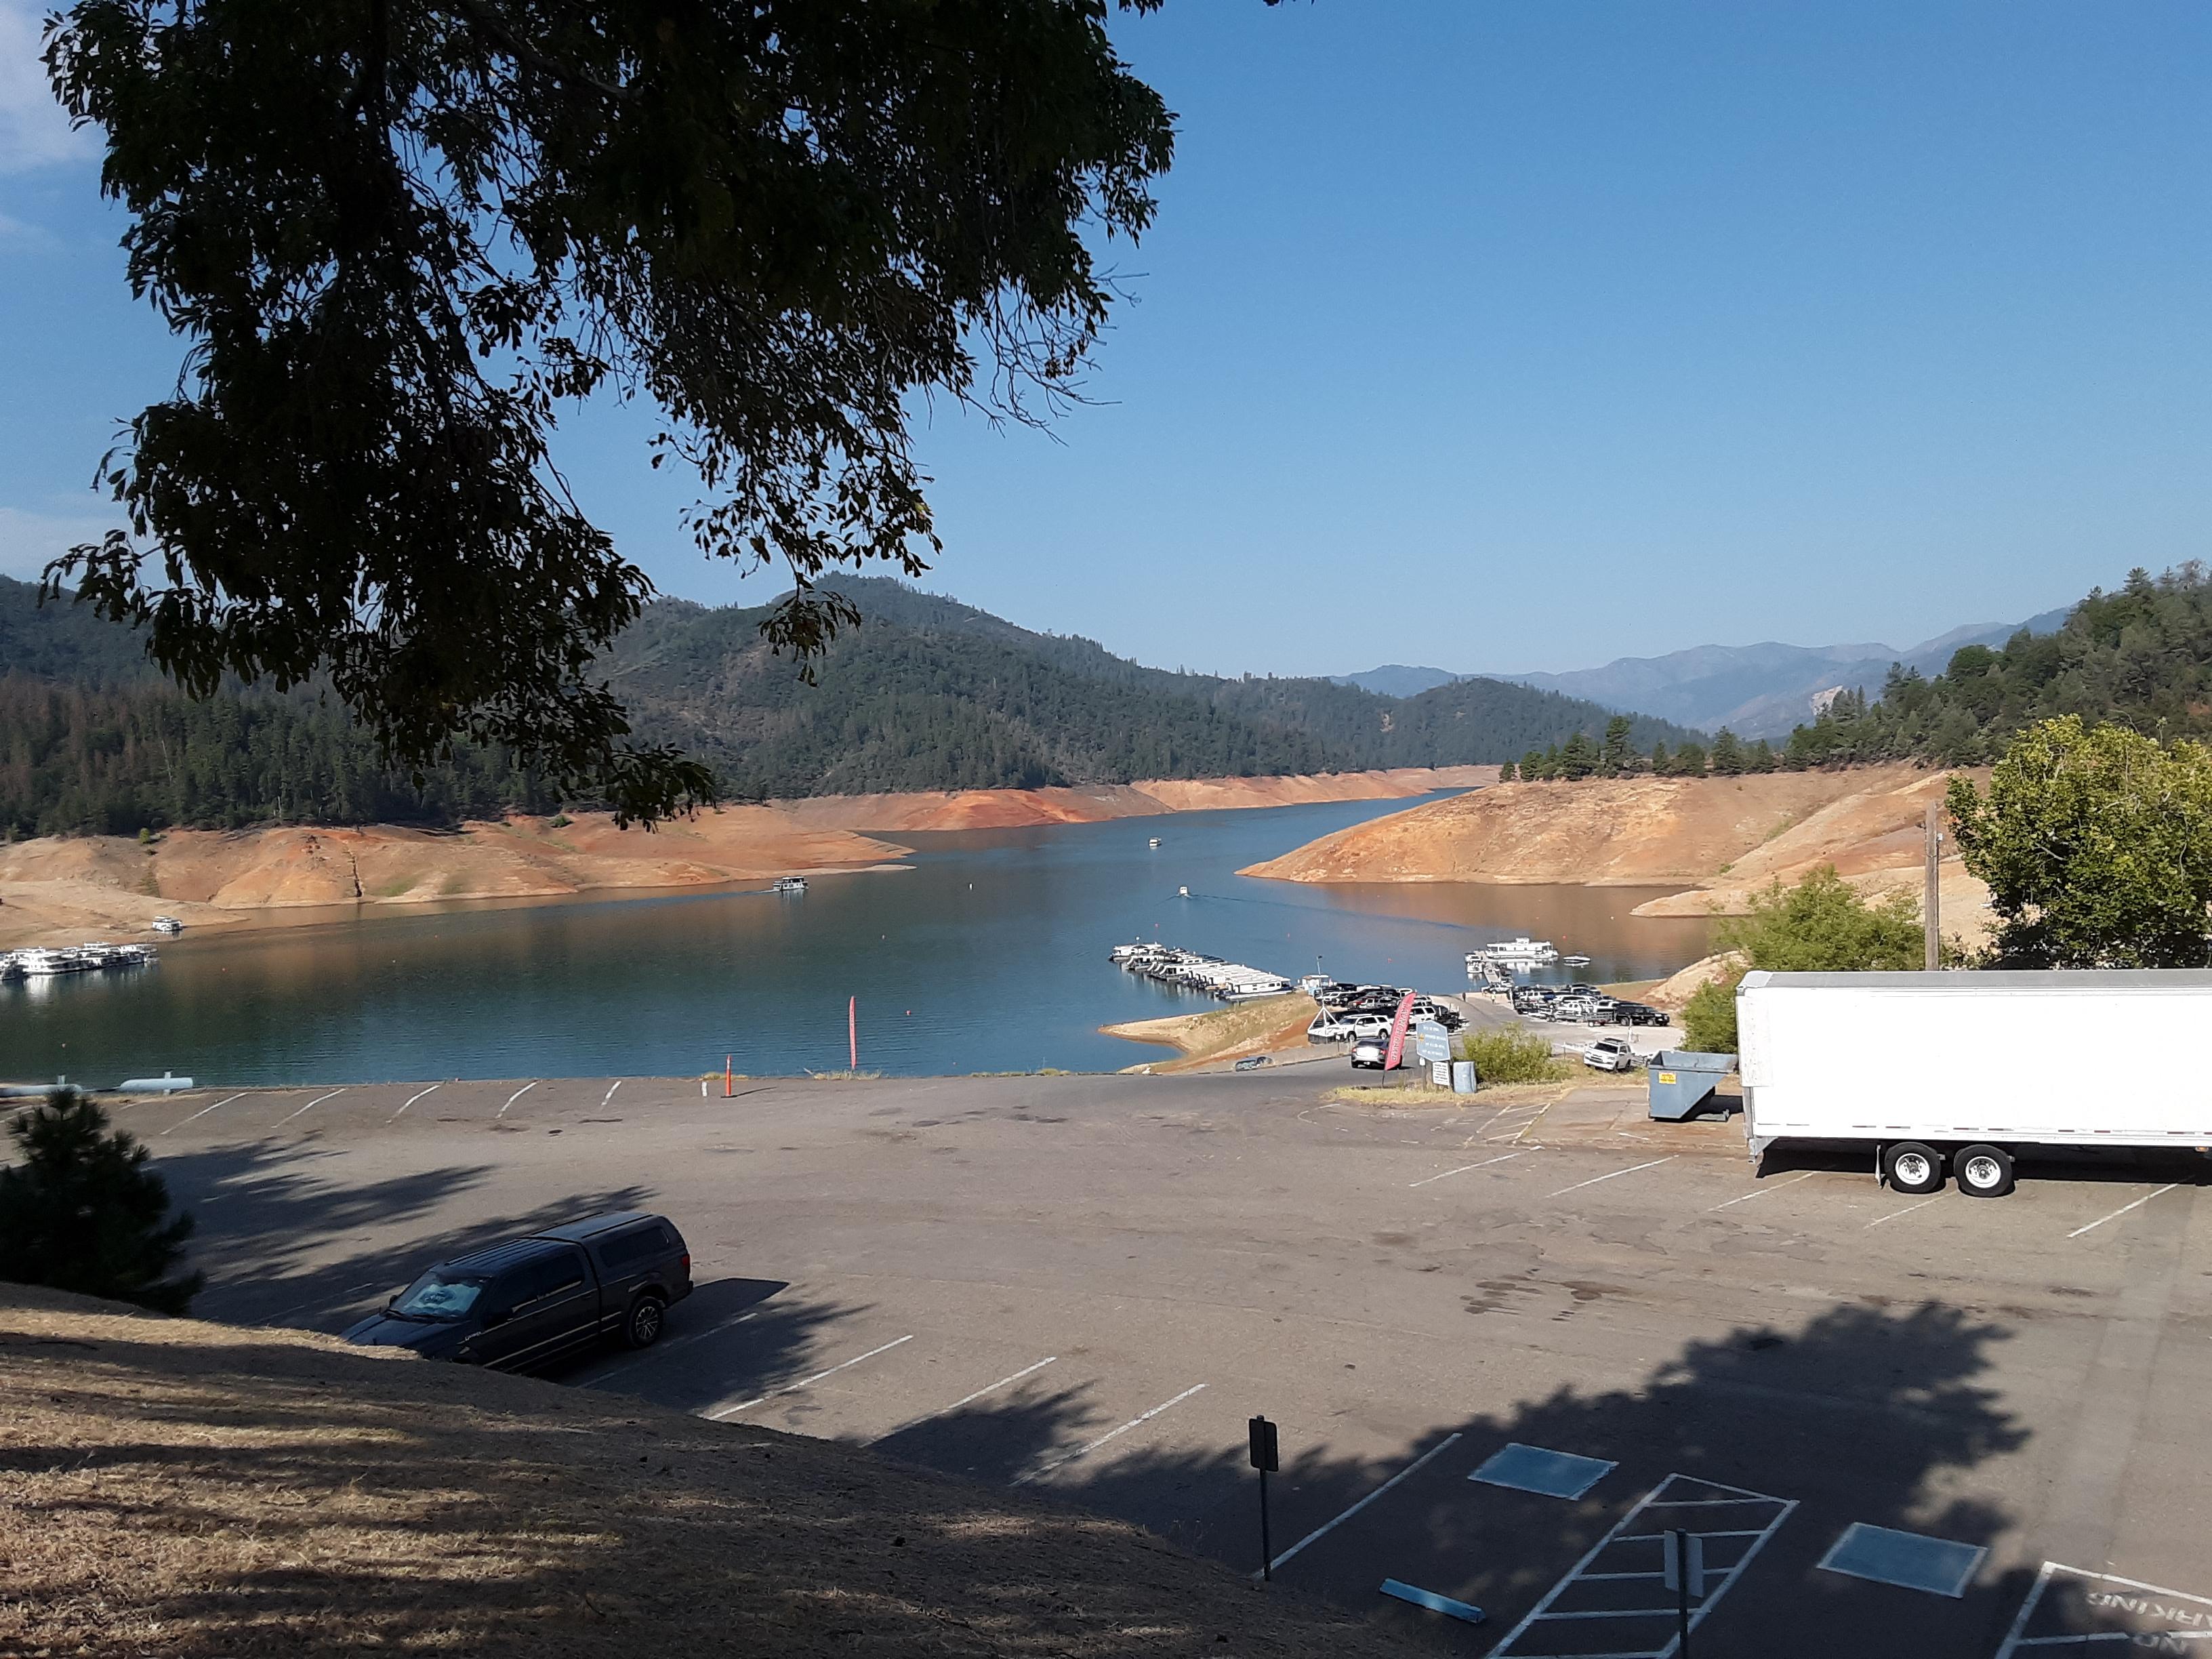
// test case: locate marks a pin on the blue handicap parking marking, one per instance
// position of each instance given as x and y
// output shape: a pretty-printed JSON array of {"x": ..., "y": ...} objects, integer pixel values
[
  {"x": 2071, "y": 1613},
  {"x": 1549, "y": 1474},
  {"x": 1432, "y": 1601},
  {"x": 1940, "y": 1566}
]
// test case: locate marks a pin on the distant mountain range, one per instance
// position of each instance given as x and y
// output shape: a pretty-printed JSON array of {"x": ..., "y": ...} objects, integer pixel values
[
  {"x": 926, "y": 694},
  {"x": 1755, "y": 690}
]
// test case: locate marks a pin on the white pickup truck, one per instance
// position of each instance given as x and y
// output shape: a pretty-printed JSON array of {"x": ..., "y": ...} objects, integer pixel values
[{"x": 1962, "y": 1071}]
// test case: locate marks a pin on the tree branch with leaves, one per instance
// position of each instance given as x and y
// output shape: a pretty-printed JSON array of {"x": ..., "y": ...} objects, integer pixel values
[{"x": 400, "y": 237}]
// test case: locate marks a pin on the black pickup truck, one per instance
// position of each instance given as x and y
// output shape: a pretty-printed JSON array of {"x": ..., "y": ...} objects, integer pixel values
[{"x": 519, "y": 1304}]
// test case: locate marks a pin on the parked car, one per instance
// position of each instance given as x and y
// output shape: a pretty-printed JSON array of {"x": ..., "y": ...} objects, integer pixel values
[
  {"x": 1369, "y": 1052},
  {"x": 520, "y": 1304},
  {"x": 1638, "y": 1013},
  {"x": 1581, "y": 1010},
  {"x": 1610, "y": 1055}
]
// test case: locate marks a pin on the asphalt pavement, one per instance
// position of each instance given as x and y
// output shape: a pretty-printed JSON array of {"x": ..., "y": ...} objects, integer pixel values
[{"x": 1900, "y": 1425}]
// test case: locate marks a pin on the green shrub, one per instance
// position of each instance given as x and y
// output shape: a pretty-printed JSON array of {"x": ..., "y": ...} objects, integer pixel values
[
  {"x": 1505, "y": 1054},
  {"x": 80, "y": 1210},
  {"x": 1821, "y": 926},
  {"x": 1709, "y": 1017},
  {"x": 560, "y": 821}
]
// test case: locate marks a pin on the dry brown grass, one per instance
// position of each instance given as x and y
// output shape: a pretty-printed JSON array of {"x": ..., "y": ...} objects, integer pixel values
[{"x": 169, "y": 1487}]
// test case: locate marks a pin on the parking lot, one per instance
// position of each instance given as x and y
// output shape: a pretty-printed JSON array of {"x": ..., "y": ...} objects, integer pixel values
[{"x": 1087, "y": 1285}]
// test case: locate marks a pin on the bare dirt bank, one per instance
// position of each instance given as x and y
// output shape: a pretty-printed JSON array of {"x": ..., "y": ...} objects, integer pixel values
[
  {"x": 1723, "y": 839},
  {"x": 58, "y": 891},
  {"x": 195, "y": 1491},
  {"x": 1272, "y": 1025}
]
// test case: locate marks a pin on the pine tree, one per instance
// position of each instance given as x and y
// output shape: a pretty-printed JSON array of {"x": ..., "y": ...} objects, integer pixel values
[
  {"x": 1727, "y": 754},
  {"x": 1613, "y": 753},
  {"x": 81, "y": 1212}
]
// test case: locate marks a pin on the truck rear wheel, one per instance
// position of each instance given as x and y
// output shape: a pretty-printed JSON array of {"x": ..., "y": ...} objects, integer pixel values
[
  {"x": 1914, "y": 1168},
  {"x": 1983, "y": 1171},
  {"x": 646, "y": 1315}
]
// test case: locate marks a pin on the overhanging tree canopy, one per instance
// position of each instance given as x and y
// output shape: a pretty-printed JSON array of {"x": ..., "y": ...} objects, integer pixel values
[{"x": 399, "y": 235}]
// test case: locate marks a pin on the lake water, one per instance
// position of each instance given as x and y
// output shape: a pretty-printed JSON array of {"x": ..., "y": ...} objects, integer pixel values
[{"x": 990, "y": 954}]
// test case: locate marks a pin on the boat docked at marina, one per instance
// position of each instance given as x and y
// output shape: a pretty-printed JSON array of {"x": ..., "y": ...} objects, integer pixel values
[
  {"x": 92, "y": 957},
  {"x": 1519, "y": 952}
]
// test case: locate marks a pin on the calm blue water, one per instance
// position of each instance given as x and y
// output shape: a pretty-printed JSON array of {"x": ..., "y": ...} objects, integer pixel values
[{"x": 989, "y": 955}]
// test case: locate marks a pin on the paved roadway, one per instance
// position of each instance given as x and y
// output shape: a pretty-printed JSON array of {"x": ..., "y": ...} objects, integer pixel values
[{"x": 1087, "y": 1284}]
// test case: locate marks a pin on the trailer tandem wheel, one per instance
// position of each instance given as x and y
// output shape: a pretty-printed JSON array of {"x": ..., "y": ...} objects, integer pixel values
[
  {"x": 1983, "y": 1171},
  {"x": 1913, "y": 1168}
]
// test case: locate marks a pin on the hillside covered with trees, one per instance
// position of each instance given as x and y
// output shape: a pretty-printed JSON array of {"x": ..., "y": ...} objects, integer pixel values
[
  {"x": 926, "y": 694},
  {"x": 2141, "y": 657}
]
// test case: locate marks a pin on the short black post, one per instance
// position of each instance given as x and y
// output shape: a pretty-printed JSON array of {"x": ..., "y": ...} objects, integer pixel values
[
  {"x": 1680, "y": 1568},
  {"x": 1266, "y": 1456}
]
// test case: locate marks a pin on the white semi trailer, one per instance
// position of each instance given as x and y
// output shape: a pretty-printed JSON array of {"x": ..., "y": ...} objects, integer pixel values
[{"x": 1965, "y": 1069}]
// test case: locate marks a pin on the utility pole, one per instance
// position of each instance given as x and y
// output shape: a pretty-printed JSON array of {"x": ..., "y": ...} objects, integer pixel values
[{"x": 1932, "y": 903}]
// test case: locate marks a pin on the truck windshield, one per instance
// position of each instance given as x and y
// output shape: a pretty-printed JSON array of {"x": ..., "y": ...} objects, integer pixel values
[{"x": 440, "y": 1294}]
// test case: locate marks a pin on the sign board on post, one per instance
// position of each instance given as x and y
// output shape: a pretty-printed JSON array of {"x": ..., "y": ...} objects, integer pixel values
[
  {"x": 1440, "y": 1073},
  {"x": 1682, "y": 1566},
  {"x": 1267, "y": 1451},
  {"x": 1431, "y": 1042},
  {"x": 1394, "y": 1056},
  {"x": 1267, "y": 1455}
]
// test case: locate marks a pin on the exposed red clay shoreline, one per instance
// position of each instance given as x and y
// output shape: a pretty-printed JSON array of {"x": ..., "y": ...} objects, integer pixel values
[{"x": 62, "y": 890}]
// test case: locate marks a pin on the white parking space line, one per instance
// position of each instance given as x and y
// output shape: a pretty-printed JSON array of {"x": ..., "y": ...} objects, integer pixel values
[
  {"x": 1501, "y": 1159},
  {"x": 512, "y": 1098},
  {"x": 806, "y": 1381},
  {"x": 310, "y": 1105},
  {"x": 1328, "y": 1527},
  {"x": 660, "y": 1348},
  {"x": 412, "y": 1099},
  {"x": 1142, "y": 1418},
  {"x": 1615, "y": 1175},
  {"x": 1658, "y": 1622},
  {"x": 2153, "y": 1602},
  {"x": 1763, "y": 1191},
  {"x": 1907, "y": 1210},
  {"x": 204, "y": 1110},
  {"x": 611, "y": 1091},
  {"x": 966, "y": 1399},
  {"x": 2122, "y": 1210}
]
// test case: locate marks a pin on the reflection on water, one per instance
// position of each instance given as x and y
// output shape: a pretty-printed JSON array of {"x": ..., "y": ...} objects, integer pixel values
[{"x": 989, "y": 955}]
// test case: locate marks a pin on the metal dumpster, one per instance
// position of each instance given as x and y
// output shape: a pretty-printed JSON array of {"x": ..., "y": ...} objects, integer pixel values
[{"x": 1682, "y": 1081}]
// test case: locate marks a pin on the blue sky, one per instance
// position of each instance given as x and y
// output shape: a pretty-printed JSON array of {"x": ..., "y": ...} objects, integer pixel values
[{"x": 1498, "y": 336}]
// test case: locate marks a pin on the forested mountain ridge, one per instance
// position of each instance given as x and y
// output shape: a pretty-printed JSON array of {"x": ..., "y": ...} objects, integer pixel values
[
  {"x": 926, "y": 694},
  {"x": 2140, "y": 657}
]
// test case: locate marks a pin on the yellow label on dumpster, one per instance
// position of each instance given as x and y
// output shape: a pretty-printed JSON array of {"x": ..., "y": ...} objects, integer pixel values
[{"x": 1665, "y": 1076}]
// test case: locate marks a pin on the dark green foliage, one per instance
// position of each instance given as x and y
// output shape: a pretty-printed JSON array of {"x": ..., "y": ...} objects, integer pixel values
[
  {"x": 2142, "y": 656},
  {"x": 123, "y": 758},
  {"x": 927, "y": 694},
  {"x": 1727, "y": 754},
  {"x": 80, "y": 1210},
  {"x": 2097, "y": 846},
  {"x": 397, "y": 236},
  {"x": 1613, "y": 755}
]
